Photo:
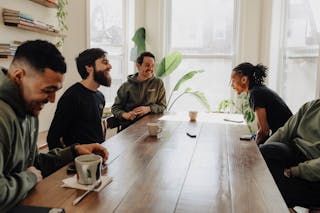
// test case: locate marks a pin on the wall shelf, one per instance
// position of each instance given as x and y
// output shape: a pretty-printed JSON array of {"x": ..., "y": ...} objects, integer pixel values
[
  {"x": 33, "y": 29},
  {"x": 46, "y": 3}
]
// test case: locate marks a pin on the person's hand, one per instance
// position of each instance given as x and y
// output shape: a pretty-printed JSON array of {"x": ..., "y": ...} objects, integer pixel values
[
  {"x": 142, "y": 110},
  {"x": 93, "y": 148},
  {"x": 129, "y": 115},
  {"x": 35, "y": 171},
  {"x": 287, "y": 172}
]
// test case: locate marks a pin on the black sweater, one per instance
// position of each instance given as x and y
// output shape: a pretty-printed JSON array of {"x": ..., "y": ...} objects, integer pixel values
[{"x": 77, "y": 118}]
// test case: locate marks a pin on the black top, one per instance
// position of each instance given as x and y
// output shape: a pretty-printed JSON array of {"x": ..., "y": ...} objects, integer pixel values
[
  {"x": 277, "y": 111},
  {"x": 77, "y": 118}
]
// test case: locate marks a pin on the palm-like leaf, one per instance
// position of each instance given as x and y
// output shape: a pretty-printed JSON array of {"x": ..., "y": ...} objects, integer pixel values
[
  {"x": 139, "y": 40},
  {"x": 202, "y": 98},
  {"x": 185, "y": 78},
  {"x": 168, "y": 64}
]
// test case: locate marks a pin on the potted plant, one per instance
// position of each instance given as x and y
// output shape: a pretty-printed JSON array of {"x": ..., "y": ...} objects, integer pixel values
[
  {"x": 241, "y": 105},
  {"x": 61, "y": 16}
]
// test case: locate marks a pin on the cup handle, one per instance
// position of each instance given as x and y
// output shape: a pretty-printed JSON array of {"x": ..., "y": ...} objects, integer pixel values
[{"x": 159, "y": 130}]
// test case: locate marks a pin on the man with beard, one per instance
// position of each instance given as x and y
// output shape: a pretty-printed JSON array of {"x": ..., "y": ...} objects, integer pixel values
[
  {"x": 77, "y": 119},
  {"x": 142, "y": 94}
]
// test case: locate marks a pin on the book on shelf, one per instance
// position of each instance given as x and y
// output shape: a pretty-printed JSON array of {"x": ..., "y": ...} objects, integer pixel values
[
  {"x": 18, "y": 19},
  {"x": 15, "y": 19},
  {"x": 6, "y": 10},
  {"x": 15, "y": 13},
  {"x": 8, "y": 49},
  {"x": 47, "y": 31},
  {"x": 53, "y": 1},
  {"x": 15, "y": 23}
]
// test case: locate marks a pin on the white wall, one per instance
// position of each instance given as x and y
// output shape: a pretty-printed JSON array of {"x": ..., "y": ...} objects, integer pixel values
[{"x": 75, "y": 42}]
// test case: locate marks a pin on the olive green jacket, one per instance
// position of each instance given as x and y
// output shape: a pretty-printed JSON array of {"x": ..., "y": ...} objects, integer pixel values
[
  {"x": 134, "y": 93},
  {"x": 302, "y": 131},
  {"x": 18, "y": 148}
]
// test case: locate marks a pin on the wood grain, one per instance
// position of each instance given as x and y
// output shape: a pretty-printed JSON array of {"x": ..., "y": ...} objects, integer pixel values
[{"x": 213, "y": 172}]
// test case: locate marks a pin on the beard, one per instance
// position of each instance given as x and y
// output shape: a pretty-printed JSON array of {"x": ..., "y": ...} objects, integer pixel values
[{"x": 102, "y": 78}]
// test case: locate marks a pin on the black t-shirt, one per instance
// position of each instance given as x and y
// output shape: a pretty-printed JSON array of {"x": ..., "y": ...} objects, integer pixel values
[
  {"x": 77, "y": 118},
  {"x": 277, "y": 111}
]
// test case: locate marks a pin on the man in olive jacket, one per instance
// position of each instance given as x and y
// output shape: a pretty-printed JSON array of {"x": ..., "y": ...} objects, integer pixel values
[
  {"x": 143, "y": 93},
  {"x": 32, "y": 80},
  {"x": 293, "y": 156}
]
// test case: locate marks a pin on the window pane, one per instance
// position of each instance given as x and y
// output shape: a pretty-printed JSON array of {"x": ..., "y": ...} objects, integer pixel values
[
  {"x": 106, "y": 24},
  {"x": 203, "y": 31},
  {"x": 214, "y": 82},
  {"x": 300, "y": 85},
  {"x": 107, "y": 32},
  {"x": 202, "y": 26},
  {"x": 300, "y": 66},
  {"x": 303, "y": 26}
]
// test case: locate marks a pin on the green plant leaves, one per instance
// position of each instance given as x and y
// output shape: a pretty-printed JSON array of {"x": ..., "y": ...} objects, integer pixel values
[
  {"x": 139, "y": 40},
  {"x": 61, "y": 16},
  {"x": 199, "y": 95},
  {"x": 185, "y": 78},
  {"x": 225, "y": 104},
  {"x": 168, "y": 64},
  {"x": 202, "y": 98}
]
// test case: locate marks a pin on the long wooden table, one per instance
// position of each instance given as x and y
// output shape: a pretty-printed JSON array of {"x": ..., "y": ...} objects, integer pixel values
[{"x": 214, "y": 172}]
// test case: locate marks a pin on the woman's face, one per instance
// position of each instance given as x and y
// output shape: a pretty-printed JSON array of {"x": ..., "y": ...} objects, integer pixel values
[{"x": 239, "y": 83}]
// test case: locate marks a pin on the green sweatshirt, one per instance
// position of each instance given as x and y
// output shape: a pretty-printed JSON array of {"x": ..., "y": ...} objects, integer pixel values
[
  {"x": 302, "y": 131},
  {"x": 134, "y": 93},
  {"x": 18, "y": 148}
]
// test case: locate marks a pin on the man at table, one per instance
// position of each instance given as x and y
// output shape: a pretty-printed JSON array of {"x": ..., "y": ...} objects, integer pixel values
[
  {"x": 33, "y": 78},
  {"x": 141, "y": 94},
  {"x": 79, "y": 111},
  {"x": 293, "y": 156}
]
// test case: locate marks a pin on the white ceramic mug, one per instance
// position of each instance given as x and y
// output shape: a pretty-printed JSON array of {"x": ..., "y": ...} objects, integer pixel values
[
  {"x": 88, "y": 168},
  {"x": 154, "y": 129},
  {"x": 193, "y": 115}
]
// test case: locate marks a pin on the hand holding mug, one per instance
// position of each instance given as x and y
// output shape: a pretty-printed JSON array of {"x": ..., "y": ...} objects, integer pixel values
[{"x": 93, "y": 148}]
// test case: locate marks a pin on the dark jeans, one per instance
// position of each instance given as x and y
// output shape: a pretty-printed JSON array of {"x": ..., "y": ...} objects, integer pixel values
[{"x": 295, "y": 191}]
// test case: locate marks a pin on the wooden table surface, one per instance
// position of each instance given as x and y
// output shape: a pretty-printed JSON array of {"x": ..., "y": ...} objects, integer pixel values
[{"x": 214, "y": 172}]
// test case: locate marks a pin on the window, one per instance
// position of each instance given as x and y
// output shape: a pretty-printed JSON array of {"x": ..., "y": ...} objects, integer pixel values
[
  {"x": 203, "y": 31},
  {"x": 299, "y": 67},
  {"x": 109, "y": 31}
]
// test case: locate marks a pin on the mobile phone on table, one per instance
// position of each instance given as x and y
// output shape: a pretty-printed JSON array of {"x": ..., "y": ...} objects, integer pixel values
[
  {"x": 246, "y": 137},
  {"x": 71, "y": 169},
  {"x": 191, "y": 135}
]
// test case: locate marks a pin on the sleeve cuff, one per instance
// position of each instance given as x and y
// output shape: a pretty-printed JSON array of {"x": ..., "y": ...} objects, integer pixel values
[
  {"x": 295, "y": 171},
  {"x": 73, "y": 150}
]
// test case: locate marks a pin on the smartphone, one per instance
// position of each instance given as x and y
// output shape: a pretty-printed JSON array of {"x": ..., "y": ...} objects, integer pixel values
[
  {"x": 71, "y": 169},
  {"x": 191, "y": 135},
  {"x": 246, "y": 137}
]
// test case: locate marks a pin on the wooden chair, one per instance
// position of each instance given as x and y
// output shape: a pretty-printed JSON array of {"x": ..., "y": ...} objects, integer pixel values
[{"x": 113, "y": 122}]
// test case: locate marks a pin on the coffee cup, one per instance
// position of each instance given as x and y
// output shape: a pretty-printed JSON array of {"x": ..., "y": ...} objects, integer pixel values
[
  {"x": 154, "y": 129},
  {"x": 88, "y": 168},
  {"x": 193, "y": 115}
]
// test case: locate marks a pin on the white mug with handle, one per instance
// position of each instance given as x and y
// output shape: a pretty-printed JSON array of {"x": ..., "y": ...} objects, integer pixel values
[{"x": 154, "y": 129}]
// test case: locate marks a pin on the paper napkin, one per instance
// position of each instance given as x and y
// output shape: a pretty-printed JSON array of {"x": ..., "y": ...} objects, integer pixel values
[{"x": 73, "y": 183}]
